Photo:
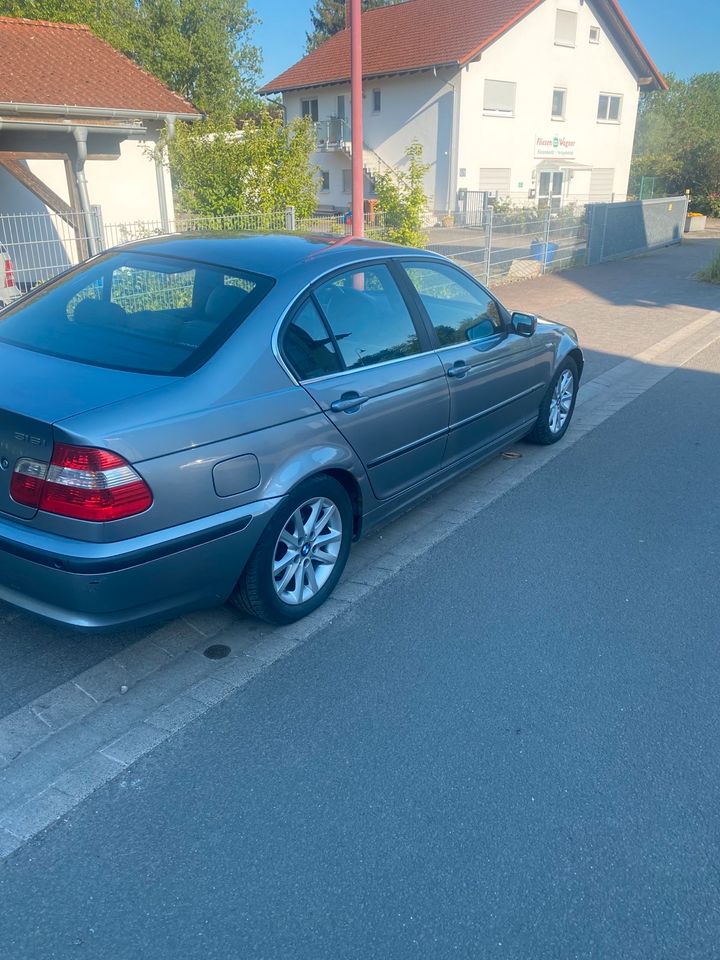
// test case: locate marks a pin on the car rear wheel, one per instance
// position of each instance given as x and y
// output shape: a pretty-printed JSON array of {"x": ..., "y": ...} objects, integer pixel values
[
  {"x": 300, "y": 556},
  {"x": 557, "y": 406}
]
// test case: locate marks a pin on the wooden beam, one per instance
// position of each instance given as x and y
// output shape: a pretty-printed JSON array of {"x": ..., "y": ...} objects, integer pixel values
[
  {"x": 31, "y": 155},
  {"x": 45, "y": 155},
  {"x": 35, "y": 185}
]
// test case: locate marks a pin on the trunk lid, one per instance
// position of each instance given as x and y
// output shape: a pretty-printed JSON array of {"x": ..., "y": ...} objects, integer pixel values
[{"x": 37, "y": 391}]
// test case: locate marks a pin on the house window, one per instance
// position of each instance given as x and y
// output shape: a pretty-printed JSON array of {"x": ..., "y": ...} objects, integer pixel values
[
  {"x": 341, "y": 107},
  {"x": 558, "y": 103},
  {"x": 609, "y": 108},
  {"x": 347, "y": 180},
  {"x": 565, "y": 28},
  {"x": 499, "y": 98},
  {"x": 309, "y": 108},
  {"x": 324, "y": 180},
  {"x": 594, "y": 34},
  {"x": 377, "y": 101}
]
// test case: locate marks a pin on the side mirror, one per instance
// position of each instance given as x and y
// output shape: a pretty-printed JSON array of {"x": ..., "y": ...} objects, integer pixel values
[{"x": 524, "y": 324}]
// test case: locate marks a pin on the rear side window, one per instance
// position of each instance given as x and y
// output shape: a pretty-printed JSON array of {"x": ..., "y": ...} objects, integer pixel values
[
  {"x": 136, "y": 311},
  {"x": 308, "y": 348},
  {"x": 368, "y": 317}
]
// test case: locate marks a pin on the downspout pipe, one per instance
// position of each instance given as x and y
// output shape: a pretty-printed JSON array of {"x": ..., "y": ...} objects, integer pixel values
[
  {"x": 160, "y": 175},
  {"x": 80, "y": 134}
]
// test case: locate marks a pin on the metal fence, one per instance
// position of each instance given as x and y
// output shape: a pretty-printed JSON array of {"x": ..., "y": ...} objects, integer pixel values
[
  {"x": 496, "y": 248},
  {"x": 515, "y": 246}
]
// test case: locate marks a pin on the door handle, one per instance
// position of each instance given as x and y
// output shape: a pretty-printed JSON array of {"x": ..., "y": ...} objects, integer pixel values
[
  {"x": 458, "y": 369},
  {"x": 348, "y": 402}
]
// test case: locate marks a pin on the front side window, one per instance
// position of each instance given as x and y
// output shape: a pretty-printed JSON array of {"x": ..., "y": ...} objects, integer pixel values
[
  {"x": 565, "y": 28},
  {"x": 136, "y": 311},
  {"x": 609, "y": 107},
  {"x": 377, "y": 101},
  {"x": 558, "y": 103},
  {"x": 368, "y": 317},
  {"x": 499, "y": 98},
  {"x": 324, "y": 180},
  {"x": 460, "y": 310}
]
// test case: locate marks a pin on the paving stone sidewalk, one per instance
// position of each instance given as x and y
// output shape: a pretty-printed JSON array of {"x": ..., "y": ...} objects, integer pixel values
[{"x": 623, "y": 307}]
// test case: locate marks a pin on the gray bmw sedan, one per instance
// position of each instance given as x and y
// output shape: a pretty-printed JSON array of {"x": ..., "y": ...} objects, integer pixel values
[{"x": 191, "y": 419}]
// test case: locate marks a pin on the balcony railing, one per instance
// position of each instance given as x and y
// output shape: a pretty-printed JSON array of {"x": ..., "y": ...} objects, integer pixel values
[{"x": 332, "y": 134}]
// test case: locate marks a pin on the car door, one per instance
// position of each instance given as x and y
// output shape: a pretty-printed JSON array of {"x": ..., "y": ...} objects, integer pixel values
[
  {"x": 354, "y": 346},
  {"x": 496, "y": 377}
]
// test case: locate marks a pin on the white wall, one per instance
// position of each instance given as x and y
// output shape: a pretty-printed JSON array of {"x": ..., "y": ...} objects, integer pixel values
[
  {"x": 415, "y": 107},
  {"x": 421, "y": 106},
  {"x": 125, "y": 188},
  {"x": 527, "y": 54}
]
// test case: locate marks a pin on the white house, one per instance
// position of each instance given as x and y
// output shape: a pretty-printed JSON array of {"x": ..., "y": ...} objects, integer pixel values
[
  {"x": 78, "y": 124},
  {"x": 530, "y": 100}
]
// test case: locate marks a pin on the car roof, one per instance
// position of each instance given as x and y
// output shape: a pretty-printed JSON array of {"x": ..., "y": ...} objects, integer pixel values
[{"x": 271, "y": 254}]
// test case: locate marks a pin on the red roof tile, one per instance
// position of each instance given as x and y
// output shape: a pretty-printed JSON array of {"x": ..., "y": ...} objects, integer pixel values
[
  {"x": 67, "y": 65},
  {"x": 421, "y": 34}
]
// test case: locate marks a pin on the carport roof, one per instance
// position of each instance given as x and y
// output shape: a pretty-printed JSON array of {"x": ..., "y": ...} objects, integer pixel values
[{"x": 67, "y": 65}]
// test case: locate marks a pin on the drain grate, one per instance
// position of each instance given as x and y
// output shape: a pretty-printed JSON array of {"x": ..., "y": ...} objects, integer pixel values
[{"x": 218, "y": 651}]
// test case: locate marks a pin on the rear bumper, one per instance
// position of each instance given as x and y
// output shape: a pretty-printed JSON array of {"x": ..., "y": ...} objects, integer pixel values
[{"x": 103, "y": 585}]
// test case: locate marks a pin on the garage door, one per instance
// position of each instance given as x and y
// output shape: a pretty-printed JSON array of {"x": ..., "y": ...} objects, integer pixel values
[
  {"x": 495, "y": 180},
  {"x": 602, "y": 180}
]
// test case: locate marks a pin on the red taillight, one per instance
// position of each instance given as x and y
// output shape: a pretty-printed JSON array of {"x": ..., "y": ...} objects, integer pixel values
[
  {"x": 9, "y": 274},
  {"x": 81, "y": 482}
]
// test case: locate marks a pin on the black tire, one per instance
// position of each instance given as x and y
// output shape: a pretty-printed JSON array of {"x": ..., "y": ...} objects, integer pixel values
[
  {"x": 542, "y": 432},
  {"x": 255, "y": 592}
]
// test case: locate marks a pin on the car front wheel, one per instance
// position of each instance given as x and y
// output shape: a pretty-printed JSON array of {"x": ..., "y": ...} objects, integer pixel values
[
  {"x": 557, "y": 406},
  {"x": 301, "y": 554}
]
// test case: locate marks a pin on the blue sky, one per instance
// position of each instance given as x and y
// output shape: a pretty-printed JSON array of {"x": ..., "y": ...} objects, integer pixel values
[{"x": 681, "y": 37}]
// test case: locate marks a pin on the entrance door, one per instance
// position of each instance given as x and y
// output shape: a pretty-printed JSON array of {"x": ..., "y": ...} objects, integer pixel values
[{"x": 550, "y": 189}]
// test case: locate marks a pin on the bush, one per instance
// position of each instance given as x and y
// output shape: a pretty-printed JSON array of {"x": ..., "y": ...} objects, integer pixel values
[
  {"x": 402, "y": 199},
  {"x": 264, "y": 167},
  {"x": 711, "y": 273},
  {"x": 708, "y": 204}
]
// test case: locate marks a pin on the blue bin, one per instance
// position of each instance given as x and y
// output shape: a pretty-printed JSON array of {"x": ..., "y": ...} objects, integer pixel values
[{"x": 537, "y": 251}]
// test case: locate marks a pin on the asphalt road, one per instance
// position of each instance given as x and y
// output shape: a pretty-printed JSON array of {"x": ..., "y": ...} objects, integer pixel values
[
  {"x": 509, "y": 750},
  {"x": 619, "y": 309}
]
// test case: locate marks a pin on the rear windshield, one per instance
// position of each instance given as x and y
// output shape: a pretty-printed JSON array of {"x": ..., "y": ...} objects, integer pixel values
[{"x": 136, "y": 311}]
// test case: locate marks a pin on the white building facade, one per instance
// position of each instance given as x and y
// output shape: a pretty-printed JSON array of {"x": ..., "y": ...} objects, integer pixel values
[{"x": 543, "y": 114}]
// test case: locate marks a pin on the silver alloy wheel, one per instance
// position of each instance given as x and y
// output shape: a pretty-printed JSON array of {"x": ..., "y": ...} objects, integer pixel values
[
  {"x": 307, "y": 550},
  {"x": 561, "y": 401}
]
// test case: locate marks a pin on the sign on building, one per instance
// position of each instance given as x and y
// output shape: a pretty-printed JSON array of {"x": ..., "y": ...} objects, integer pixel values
[{"x": 555, "y": 146}]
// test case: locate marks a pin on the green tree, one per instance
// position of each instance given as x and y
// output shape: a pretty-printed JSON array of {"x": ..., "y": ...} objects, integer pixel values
[
  {"x": 402, "y": 199},
  {"x": 678, "y": 139},
  {"x": 328, "y": 16},
  {"x": 202, "y": 49},
  {"x": 261, "y": 168}
]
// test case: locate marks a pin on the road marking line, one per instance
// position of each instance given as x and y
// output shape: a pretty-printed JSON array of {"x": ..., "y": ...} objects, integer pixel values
[{"x": 253, "y": 648}]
